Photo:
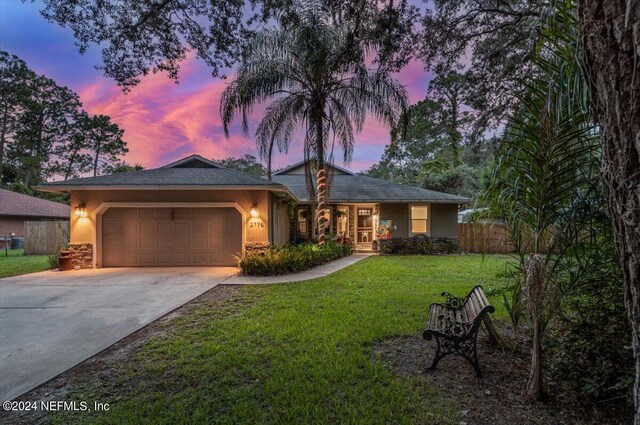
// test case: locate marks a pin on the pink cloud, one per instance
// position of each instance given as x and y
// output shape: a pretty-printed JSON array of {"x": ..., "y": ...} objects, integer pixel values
[{"x": 164, "y": 121}]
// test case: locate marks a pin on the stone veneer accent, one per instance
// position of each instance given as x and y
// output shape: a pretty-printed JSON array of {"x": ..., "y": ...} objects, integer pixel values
[
  {"x": 82, "y": 254},
  {"x": 256, "y": 247}
]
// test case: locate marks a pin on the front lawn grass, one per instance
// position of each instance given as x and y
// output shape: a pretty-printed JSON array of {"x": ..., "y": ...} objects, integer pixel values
[
  {"x": 17, "y": 263},
  {"x": 293, "y": 353}
]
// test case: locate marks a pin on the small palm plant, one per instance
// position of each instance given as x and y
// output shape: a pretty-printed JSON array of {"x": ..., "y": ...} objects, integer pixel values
[
  {"x": 314, "y": 74},
  {"x": 544, "y": 175}
]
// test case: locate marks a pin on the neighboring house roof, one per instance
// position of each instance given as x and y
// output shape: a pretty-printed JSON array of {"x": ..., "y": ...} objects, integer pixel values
[
  {"x": 18, "y": 204},
  {"x": 356, "y": 188}
]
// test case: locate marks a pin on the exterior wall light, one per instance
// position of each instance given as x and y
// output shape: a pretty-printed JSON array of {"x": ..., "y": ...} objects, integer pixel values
[
  {"x": 254, "y": 212},
  {"x": 81, "y": 210}
]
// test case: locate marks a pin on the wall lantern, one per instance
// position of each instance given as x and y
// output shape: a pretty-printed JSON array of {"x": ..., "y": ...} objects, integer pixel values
[
  {"x": 254, "y": 212},
  {"x": 81, "y": 210},
  {"x": 375, "y": 216}
]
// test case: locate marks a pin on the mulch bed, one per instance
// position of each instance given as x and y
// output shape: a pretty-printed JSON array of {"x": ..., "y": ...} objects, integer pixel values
[{"x": 499, "y": 397}]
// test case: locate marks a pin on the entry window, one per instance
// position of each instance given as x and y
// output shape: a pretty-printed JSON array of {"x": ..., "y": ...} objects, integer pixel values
[
  {"x": 302, "y": 222},
  {"x": 419, "y": 219}
]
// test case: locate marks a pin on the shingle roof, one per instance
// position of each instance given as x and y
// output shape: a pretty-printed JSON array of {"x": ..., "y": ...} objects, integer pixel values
[
  {"x": 343, "y": 187},
  {"x": 288, "y": 168},
  {"x": 18, "y": 204},
  {"x": 355, "y": 188},
  {"x": 170, "y": 177}
]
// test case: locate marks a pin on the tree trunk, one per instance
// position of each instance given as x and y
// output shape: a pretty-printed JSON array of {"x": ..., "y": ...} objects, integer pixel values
[
  {"x": 535, "y": 275},
  {"x": 95, "y": 162},
  {"x": 3, "y": 133},
  {"x": 321, "y": 180},
  {"x": 610, "y": 31}
]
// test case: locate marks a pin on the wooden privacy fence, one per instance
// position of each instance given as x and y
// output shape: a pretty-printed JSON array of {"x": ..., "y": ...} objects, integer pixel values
[
  {"x": 45, "y": 237},
  {"x": 488, "y": 238},
  {"x": 493, "y": 238}
]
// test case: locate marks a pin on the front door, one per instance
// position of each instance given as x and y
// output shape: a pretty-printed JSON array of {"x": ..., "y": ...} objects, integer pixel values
[{"x": 365, "y": 225}]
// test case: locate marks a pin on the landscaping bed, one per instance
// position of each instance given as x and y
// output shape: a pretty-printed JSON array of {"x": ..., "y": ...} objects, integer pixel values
[
  {"x": 419, "y": 245},
  {"x": 291, "y": 258},
  {"x": 497, "y": 398}
]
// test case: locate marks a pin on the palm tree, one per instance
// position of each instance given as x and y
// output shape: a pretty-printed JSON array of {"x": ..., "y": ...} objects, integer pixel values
[
  {"x": 315, "y": 76},
  {"x": 546, "y": 167}
]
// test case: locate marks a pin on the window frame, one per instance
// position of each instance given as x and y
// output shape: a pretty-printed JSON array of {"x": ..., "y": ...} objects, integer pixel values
[{"x": 426, "y": 220}]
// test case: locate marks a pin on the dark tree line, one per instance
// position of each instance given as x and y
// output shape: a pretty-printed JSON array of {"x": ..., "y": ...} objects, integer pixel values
[
  {"x": 45, "y": 132},
  {"x": 442, "y": 147}
]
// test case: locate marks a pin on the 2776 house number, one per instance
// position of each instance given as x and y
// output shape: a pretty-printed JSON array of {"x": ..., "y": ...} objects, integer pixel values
[{"x": 256, "y": 224}]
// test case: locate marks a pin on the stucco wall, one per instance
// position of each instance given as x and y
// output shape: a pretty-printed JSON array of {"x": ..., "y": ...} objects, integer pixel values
[
  {"x": 83, "y": 228},
  {"x": 399, "y": 216},
  {"x": 444, "y": 220},
  {"x": 280, "y": 220}
]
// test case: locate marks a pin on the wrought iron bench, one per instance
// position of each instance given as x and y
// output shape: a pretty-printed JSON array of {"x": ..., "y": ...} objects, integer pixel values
[{"x": 455, "y": 325}]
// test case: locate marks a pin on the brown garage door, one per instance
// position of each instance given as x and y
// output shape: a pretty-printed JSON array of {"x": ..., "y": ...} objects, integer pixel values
[{"x": 171, "y": 236}]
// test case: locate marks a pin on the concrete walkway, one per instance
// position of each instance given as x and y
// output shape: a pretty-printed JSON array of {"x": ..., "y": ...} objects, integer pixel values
[{"x": 314, "y": 273}]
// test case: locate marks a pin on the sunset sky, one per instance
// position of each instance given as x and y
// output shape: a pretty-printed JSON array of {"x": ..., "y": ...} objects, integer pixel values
[{"x": 163, "y": 121}]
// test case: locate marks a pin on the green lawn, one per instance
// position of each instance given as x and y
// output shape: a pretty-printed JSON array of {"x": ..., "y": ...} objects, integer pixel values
[
  {"x": 18, "y": 263},
  {"x": 294, "y": 353}
]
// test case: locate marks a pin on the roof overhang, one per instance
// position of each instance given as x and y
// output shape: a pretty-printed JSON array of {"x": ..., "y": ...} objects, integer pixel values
[
  {"x": 69, "y": 188},
  {"x": 391, "y": 201}
]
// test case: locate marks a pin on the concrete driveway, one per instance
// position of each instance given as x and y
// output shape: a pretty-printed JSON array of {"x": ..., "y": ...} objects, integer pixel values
[{"x": 51, "y": 321}]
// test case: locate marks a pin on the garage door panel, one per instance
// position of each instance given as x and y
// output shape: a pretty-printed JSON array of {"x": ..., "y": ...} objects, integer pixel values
[
  {"x": 148, "y": 243},
  {"x": 201, "y": 259},
  {"x": 147, "y": 212},
  {"x": 112, "y": 227},
  {"x": 164, "y": 244},
  {"x": 111, "y": 257},
  {"x": 182, "y": 244},
  {"x": 147, "y": 227},
  {"x": 129, "y": 227},
  {"x": 171, "y": 236},
  {"x": 111, "y": 243},
  {"x": 182, "y": 228},
  {"x": 182, "y": 258},
  {"x": 162, "y": 212},
  {"x": 164, "y": 227},
  {"x": 128, "y": 212},
  {"x": 200, "y": 228},
  {"x": 199, "y": 243},
  {"x": 163, "y": 258}
]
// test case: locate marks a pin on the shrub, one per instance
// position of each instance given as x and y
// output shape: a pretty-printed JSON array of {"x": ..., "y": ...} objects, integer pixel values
[
  {"x": 419, "y": 245},
  {"x": 54, "y": 263},
  {"x": 290, "y": 258},
  {"x": 590, "y": 346}
]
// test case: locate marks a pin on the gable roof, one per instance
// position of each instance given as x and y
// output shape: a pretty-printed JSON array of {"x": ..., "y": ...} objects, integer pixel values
[
  {"x": 193, "y": 171},
  {"x": 355, "y": 188},
  {"x": 288, "y": 169},
  {"x": 164, "y": 177},
  {"x": 192, "y": 161},
  {"x": 19, "y": 204}
]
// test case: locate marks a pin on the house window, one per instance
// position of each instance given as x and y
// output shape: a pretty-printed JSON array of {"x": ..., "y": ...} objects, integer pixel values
[
  {"x": 419, "y": 219},
  {"x": 302, "y": 222}
]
